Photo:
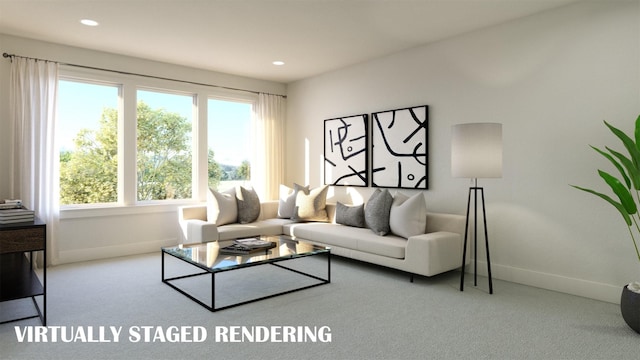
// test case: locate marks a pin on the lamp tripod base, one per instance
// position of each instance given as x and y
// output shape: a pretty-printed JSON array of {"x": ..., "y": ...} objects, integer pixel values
[{"x": 475, "y": 190}]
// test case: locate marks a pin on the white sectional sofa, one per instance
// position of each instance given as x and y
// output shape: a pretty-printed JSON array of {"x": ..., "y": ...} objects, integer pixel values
[{"x": 436, "y": 251}]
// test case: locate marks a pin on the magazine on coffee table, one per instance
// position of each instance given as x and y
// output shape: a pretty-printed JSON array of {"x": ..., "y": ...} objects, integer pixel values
[{"x": 247, "y": 246}]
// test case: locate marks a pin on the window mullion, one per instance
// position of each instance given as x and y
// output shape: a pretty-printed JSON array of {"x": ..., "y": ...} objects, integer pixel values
[
  {"x": 200, "y": 149},
  {"x": 128, "y": 142}
]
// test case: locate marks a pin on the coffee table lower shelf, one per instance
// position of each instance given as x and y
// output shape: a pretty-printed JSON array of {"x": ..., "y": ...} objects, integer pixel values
[{"x": 272, "y": 262}]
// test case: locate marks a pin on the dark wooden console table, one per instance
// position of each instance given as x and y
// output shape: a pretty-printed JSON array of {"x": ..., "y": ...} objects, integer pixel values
[{"x": 17, "y": 278}]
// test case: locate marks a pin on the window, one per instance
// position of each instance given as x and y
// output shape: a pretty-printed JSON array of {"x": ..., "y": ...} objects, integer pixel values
[
  {"x": 88, "y": 142},
  {"x": 164, "y": 165},
  {"x": 123, "y": 141},
  {"x": 229, "y": 143}
]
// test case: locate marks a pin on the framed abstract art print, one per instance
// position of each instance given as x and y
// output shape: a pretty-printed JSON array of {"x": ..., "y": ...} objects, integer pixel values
[
  {"x": 346, "y": 151},
  {"x": 399, "y": 148}
]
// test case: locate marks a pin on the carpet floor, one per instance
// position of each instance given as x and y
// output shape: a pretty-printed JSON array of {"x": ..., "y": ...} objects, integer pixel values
[{"x": 371, "y": 313}]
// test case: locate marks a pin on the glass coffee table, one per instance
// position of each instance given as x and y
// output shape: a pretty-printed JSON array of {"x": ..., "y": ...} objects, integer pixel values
[{"x": 208, "y": 260}]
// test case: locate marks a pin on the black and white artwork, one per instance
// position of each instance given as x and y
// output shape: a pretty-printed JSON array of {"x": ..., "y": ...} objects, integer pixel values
[
  {"x": 399, "y": 148},
  {"x": 346, "y": 151}
]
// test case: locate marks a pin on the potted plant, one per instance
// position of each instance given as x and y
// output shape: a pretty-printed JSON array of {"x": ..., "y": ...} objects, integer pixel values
[{"x": 626, "y": 187}]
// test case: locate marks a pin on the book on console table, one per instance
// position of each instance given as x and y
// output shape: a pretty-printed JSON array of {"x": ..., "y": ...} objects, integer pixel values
[
  {"x": 10, "y": 204},
  {"x": 11, "y": 216},
  {"x": 247, "y": 246}
]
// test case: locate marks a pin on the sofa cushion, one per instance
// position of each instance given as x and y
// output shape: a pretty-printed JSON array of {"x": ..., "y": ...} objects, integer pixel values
[
  {"x": 376, "y": 212},
  {"x": 248, "y": 205},
  {"x": 350, "y": 215},
  {"x": 408, "y": 215},
  {"x": 311, "y": 206},
  {"x": 257, "y": 228},
  {"x": 348, "y": 237},
  {"x": 222, "y": 207},
  {"x": 325, "y": 233},
  {"x": 287, "y": 201},
  {"x": 390, "y": 246}
]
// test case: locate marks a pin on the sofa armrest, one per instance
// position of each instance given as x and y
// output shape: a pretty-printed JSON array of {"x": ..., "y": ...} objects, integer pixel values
[
  {"x": 440, "y": 251},
  {"x": 195, "y": 231},
  {"x": 445, "y": 222},
  {"x": 198, "y": 212},
  {"x": 194, "y": 227}
]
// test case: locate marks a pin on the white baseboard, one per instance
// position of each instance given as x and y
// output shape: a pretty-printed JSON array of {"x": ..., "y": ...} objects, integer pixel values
[
  {"x": 573, "y": 286},
  {"x": 71, "y": 256}
]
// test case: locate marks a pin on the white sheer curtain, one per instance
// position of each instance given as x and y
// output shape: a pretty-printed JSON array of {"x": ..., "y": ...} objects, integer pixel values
[
  {"x": 269, "y": 118},
  {"x": 34, "y": 158}
]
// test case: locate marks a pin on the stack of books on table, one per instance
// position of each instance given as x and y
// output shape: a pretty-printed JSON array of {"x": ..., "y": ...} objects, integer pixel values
[
  {"x": 247, "y": 246},
  {"x": 12, "y": 211}
]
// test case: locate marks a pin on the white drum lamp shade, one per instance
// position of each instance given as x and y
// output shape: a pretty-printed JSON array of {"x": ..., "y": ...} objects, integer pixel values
[{"x": 476, "y": 150}]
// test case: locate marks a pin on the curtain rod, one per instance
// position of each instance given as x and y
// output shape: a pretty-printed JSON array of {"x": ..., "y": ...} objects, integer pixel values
[{"x": 11, "y": 56}]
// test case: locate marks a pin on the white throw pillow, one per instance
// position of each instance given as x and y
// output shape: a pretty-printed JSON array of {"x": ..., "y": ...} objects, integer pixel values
[
  {"x": 408, "y": 215},
  {"x": 222, "y": 207},
  {"x": 311, "y": 206}
]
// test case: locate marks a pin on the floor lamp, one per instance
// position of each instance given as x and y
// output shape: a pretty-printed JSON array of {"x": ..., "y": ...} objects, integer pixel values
[{"x": 476, "y": 152}]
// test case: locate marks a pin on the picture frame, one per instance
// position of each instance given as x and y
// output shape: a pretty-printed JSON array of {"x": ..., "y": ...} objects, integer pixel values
[
  {"x": 346, "y": 151},
  {"x": 399, "y": 148}
]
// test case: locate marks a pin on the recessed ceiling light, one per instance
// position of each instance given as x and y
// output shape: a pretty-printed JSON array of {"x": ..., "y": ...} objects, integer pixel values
[
  {"x": 278, "y": 63},
  {"x": 89, "y": 22}
]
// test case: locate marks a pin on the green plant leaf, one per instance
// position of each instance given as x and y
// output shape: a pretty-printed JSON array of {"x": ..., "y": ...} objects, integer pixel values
[
  {"x": 617, "y": 164},
  {"x": 637, "y": 133},
  {"x": 629, "y": 144},
  {"x": 626, "y": 199},
  {"x": 616, "y": 204},
  {"x": 633, "y": 171}
]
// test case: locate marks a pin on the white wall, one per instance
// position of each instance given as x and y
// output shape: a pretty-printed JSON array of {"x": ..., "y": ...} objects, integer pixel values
[
  {"x": 121, "y": 230},
  {"x": 550, "y": 79}
]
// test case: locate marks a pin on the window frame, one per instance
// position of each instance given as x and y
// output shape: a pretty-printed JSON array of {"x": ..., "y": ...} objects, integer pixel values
[
  {"x": 101, "y": 81},
  {"x": 194, "y": 120},
  {"x": 127, "y": 139},
  {"x": 251, "y": 101}
]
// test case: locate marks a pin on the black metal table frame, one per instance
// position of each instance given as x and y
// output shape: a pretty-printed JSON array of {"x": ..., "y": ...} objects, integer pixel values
[
  {"x": 273, "y": 262},
  {"x": 41, "y": 313}
]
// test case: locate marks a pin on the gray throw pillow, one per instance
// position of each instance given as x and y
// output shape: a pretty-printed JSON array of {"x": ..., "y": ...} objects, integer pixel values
[
  {"x": 376, "y": 212},
  {"x": 350, "y": 215},
  {"x": 248, "y": 205}
]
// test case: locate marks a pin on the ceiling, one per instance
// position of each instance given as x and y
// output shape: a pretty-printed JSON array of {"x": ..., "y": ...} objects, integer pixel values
[{"x": 244, "y": 37}]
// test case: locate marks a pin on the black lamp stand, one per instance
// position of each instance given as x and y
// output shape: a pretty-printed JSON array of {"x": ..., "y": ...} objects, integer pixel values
[{"x": 475, "y": 190}]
